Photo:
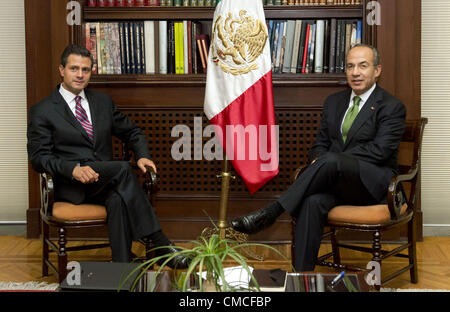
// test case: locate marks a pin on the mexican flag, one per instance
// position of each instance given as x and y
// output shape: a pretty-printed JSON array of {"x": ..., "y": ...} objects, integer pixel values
[{"x": 239, "y": 94}]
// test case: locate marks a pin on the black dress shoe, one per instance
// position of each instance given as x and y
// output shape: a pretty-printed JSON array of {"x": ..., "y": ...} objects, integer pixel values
[
  {"x": 177, "y": 262},
  {"x": 254, "y": 222}
]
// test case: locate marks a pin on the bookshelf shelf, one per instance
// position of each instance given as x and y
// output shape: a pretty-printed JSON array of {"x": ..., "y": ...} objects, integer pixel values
[
  {"x": 207, "y": 13},
  {"x": 199, "y": 80}
]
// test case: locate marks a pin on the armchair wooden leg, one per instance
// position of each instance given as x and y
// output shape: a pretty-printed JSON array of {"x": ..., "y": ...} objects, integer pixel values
[
  {"x": 335, "y": 248},
  {"x": 412, "y": 251},
  {"x": 62, "y": 255},
  {"x": 45, "y": 251}
]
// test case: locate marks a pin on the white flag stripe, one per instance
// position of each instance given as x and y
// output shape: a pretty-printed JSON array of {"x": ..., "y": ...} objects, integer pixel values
[{"x": 215, "y": 99}]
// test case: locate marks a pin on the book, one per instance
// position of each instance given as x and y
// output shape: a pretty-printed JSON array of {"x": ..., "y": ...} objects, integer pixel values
[
  {"x": 203, "y": 48},
  {"x": 171, "y": 47},
  {"x": 163, "y": 45},
  {"x": 332, "y": 61},
  {"x": 290, "y": 31},
  {"x": 320, "y": 38},
  {"x": 185, "y": 48},
  {"x": 150, "y": 46},
  {"x": 296, "y": 46},
  {"x": 270, "y": 280}
]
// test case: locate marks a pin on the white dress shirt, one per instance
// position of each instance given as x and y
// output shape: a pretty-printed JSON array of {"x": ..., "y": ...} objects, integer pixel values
[{"x": 69, "y": 97}]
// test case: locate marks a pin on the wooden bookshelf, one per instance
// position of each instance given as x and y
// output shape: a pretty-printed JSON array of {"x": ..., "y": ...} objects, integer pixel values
[
  {"x": 158, "y": 102},
  {"x": 206, "y": 13},
  {"x": 199, "y": 80}
]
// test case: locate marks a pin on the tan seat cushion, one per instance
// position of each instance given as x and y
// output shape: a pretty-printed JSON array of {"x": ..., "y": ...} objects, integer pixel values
[
  {"x": 362, "y": 214},
  {"x": 68, "y": 211}
]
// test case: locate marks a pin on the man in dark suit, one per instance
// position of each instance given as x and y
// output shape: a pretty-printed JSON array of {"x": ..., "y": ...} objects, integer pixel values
[
  {"x": 351, "y": 162},
  {"x": 70, "y": 136}
]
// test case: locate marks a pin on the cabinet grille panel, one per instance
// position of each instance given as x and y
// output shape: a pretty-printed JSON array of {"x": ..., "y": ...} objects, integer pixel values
[{"x": 297, "y": 133}]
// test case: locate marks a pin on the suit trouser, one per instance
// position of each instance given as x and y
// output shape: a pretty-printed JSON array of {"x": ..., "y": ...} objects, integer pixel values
[
  {"x": 130, "y": 215},
  {"x": 333, "y": 179}
]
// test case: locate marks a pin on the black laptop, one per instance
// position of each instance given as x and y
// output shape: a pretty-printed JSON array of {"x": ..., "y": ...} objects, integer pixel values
[{"x": 103, "y": 276}]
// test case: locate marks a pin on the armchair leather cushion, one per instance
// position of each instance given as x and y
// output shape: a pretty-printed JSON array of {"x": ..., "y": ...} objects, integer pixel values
[
  {"x": 68, "y": 211},
  {"x": 375, "y": 214}
]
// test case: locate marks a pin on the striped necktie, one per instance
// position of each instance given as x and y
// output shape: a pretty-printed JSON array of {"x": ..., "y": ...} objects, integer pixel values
[
  {"x": 83, "y": 119},
  {"x": 350, "y": 117}
]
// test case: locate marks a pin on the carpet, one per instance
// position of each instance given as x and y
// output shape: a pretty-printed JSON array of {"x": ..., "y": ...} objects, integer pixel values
[{"x": 28, "y": 286}]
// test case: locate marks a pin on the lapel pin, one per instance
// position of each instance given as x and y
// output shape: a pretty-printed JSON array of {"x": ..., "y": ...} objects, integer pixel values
[{"x": 372, "y": 108}]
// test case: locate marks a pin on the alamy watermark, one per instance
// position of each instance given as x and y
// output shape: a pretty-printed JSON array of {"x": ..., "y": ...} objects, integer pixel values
[
  {"x": 250, "y": 142},
  {"x": 74, "y": 15},
  {"x": 373, "y": 278}
]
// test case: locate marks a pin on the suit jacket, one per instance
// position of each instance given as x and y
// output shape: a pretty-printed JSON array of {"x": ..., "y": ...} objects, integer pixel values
[
  {"x": 373, "y": 139},
  {"x": 57, "y": 142}
]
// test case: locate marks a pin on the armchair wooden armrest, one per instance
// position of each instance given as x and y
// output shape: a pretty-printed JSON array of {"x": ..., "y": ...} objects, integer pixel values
[
  {"x": 151, "y": 183},
  {"x": 47, "y": 193},
  {"x": 395, "y": 195}
]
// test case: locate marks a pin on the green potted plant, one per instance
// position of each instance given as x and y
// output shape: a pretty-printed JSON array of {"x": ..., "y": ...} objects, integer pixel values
[{"x": 206, "y": 256}]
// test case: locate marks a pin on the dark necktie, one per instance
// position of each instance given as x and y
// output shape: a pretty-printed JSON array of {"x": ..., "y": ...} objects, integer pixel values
[
  {"x": 350, "y": 117},
  {"x": 83, "y": 119}
]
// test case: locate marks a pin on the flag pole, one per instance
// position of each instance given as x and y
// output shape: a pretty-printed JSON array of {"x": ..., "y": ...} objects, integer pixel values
[{"x": 226, "y": 176}]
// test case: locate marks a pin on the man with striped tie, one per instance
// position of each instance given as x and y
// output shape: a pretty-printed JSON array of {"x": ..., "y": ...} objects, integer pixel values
[{"x": 70, "y": 136}]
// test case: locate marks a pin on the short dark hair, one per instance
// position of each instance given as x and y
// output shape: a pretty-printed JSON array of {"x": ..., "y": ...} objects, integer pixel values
[
  {"x": 76, "y": 50},
  {"x": 376, "y": 54}
]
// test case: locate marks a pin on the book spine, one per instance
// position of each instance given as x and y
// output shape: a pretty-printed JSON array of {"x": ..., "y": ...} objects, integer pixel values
[
  {"x": 302, "y": 47},
  {"x": 283, "y": 47},
  {"x": 296, "y": 46},
  {"x": 137, "y": 48},
  {"x": 332, "y": 63},
  {"x": 189, "y": 45},
  {"x": 163, "y": 47},
  {"x": 200, "y": 52},
  {"x": 120, "y": 3},
  {"x": 359, "y": 32},
  {"x": 320, "y": 36},
  {"x": 132, "y": 39},
  {"x": 126, "y": 31},
  {"x": 326, "y": 47},
  {"x": 310, "y": 66},
  {"x": 276, "y": 30},
  {"x": 185, "y": 48},
  {"x": 122, "y": 49},
  {"x": 93, "y": 47},
  {"x": 142, "y": 39},
  {"x": 149, "y": 47},
  {"x": 177, "y": 48},
  {"x": 171, "y": 47},
  {"x": 289, "y": 45},
  {"x": 305, "y": 52},
  {"x": 117, "y": 56}
]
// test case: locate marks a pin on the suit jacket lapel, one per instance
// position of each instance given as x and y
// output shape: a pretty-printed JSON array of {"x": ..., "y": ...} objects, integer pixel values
[
  {"x": 63, "y": 109},
  {"x": 368, "y": 109},
  {"x": 340, "y": 113}
]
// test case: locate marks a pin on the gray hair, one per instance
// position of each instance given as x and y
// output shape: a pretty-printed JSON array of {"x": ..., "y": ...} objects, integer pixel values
[{"x": 376, "y": 54}]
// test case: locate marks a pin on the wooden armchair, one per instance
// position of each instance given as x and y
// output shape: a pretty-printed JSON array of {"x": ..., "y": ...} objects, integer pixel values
[
  {"x": 64, "y": 216},
  {"x": 379, "y": 218}
]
